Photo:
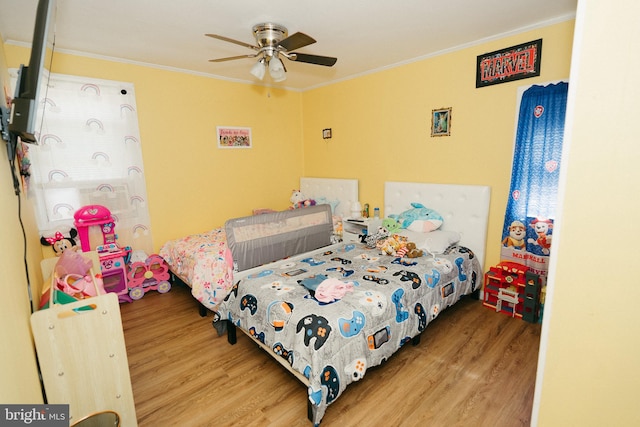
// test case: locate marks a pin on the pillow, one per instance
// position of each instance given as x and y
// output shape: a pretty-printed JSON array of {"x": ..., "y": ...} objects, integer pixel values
[
  {"x": 435, "y": 242},
  {"x": 425, "y": 219}
]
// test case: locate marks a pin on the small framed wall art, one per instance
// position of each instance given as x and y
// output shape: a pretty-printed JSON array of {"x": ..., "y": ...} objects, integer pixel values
[
  {"x": 233, "y": 137},
  {"x": 441, "y": 122}
]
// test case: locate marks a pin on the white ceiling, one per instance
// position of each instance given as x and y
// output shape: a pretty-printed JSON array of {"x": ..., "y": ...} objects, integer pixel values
[{"x": 365, "y": 35}]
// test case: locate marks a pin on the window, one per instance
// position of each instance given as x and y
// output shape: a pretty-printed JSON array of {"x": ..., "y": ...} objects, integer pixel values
[{"x": 89, "y": 153}]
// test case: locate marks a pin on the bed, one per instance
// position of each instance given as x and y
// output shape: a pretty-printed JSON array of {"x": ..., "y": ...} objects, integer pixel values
[
  {"x": 330, "y": 314},
  {"x": 204, "y": 261}
]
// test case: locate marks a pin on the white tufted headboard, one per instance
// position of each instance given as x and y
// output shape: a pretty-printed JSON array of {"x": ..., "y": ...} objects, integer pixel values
[
  {"x": 344, "y": 190},
  {"x": 465, "y": 208}
]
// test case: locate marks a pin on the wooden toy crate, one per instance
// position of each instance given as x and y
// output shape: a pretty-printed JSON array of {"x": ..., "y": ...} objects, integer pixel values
[{"x": 82, "y": 355}]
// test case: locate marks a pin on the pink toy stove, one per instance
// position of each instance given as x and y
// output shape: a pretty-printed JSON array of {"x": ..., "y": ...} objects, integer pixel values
[{"x": 96, "y": 230}]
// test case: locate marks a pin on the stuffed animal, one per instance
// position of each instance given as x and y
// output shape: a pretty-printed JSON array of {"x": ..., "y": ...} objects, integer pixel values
[
  {"x": 412, "y": 250},
  {"x": 419, "y": 218},
  {"x": 299, "y": 200},
  {"x": 391, "y": 225},
  {"x": 371, "y": 240},
  {"x": 60, "y": 242},
  {"x": 388, "y": 246},
  {"x": 393, "y": 245}
]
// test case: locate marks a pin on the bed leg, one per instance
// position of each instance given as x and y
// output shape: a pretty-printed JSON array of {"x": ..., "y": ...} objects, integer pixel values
[
  {"x": 416, "y": 340},
  {"x": 475, "y": 294},
  {"x": 231, "y": 333},
  {"x": 202, "y": 310},
  {"x": 311, "y": 410}
]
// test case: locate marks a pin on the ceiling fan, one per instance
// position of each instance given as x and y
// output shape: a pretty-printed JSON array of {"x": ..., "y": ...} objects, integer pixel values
[{"x": 272, "y": 41}]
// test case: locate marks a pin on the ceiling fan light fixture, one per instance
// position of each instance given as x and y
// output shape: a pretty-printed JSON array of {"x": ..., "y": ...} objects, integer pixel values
[
  {"x": 273, "y": 40},
  {"x": 259, "y": 69},
  {"x": 276, "y": 69}
]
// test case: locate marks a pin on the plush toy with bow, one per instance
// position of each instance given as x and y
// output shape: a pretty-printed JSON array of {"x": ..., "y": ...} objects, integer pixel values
[
  {"x": 299, "y": 200},
  {"x": 60, "y": 243}
]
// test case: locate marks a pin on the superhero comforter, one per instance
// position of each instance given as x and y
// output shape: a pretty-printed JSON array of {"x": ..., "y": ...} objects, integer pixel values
[{"x": 337, "y": 311}]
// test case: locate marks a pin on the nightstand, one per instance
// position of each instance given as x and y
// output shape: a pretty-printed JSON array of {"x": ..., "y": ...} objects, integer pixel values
[{"x": 352, "y": 228}]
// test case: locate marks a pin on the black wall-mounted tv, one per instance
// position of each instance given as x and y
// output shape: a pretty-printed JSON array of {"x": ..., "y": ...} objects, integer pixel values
[{"x": 22, "y": 119}]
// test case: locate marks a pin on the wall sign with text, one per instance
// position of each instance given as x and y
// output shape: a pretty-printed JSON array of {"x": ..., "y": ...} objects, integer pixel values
[{"x": 513, "y": 63}]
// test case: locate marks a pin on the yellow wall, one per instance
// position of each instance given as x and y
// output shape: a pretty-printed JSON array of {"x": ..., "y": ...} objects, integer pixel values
[
  {"x": 192, "y": 185},
  {"x": 589, "y": 369},
  {"x": 18, "y": 374},
  {"x": 382, "y": 124}
]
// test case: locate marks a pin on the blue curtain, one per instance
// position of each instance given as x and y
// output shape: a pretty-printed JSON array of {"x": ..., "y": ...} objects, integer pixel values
[{"x": 531, "y": 207}]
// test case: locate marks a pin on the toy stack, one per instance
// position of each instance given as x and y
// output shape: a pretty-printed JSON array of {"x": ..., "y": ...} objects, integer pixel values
[
  {"x": 96, "y": 230},
  {"x": 511, "y": 289}
]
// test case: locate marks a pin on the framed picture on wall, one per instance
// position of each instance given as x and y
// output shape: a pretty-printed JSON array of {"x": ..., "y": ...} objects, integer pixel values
[
  {"x": 512, "y": 63},
  {"x": 441, "y": 122},
  {"x": 233, "y": 137}
]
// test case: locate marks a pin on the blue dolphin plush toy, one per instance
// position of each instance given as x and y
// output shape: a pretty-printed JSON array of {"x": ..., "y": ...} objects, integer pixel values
[{"x": 419, "y": 218}]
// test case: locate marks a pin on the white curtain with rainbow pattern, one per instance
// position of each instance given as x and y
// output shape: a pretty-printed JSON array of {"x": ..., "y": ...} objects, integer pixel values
[{"x": 89, "y": 153}]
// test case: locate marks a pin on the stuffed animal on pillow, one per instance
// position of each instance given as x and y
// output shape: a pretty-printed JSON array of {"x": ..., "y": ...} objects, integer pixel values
[
  {"x": 391, "y": 225},
  {"x": 299, "y": 200},
  {"x": 419, "y": 218}
]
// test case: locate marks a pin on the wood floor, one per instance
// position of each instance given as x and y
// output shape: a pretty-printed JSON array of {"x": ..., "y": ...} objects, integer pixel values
[{"x": 473, "y": 367}]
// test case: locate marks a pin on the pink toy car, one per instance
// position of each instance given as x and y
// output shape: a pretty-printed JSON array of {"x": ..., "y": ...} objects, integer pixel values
[{"x": 152, "y": 274}]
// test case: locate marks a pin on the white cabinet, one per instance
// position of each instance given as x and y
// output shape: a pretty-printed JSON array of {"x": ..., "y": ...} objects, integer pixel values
[{"x": 352, "y": 228}]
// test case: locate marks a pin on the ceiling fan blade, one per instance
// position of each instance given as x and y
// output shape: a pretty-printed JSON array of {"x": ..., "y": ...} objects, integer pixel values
[
  {"x": 296, "y": 41},
  {"x": 227, "y": 39},
  {"x": 327, "y": 61},
  {"x": 231, "y": 58}
]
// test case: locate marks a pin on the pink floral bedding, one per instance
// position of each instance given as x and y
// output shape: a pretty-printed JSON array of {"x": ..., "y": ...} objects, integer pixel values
[{"x": 204, "y": 262}]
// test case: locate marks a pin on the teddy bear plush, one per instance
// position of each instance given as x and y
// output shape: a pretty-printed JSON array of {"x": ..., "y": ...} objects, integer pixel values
[{"x": 412, "y": 250}]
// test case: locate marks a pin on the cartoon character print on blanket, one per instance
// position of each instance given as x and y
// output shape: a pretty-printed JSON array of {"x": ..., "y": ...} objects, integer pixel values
[
  {"x": 406, "y": 276},
  {"x": 249, "y": 302},
  {"x": 343, "y": 271},
  {"x": 256, "y": 335},
  {"x": 351, "y": 327},
  {"x": 278, "y": 314},
  {"x": 314, "y": 326},
  {"x": 374, "y": 301},
  {"x": 287, "y": 355},
  {"x": 432, "y": 279},
  {"x": 278, "y": 286},
  {"x": 356, "y": 369},
  {"x": 333, "y": 344},
  {"x": 331, "y": 381},
  {"x": 401, "y": 313}
]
